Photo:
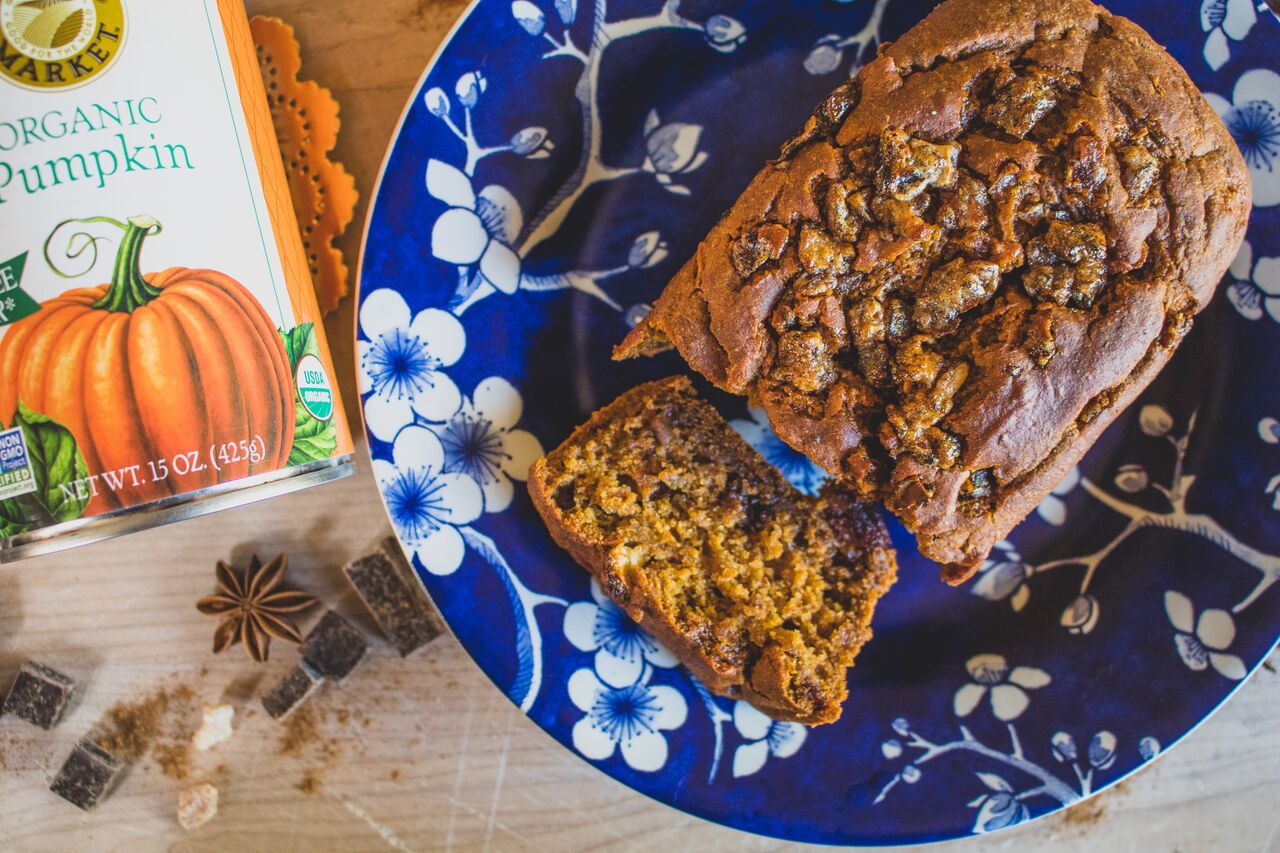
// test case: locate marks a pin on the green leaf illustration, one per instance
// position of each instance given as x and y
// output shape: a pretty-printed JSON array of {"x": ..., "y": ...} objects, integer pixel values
[
  {"x": 299, "y": 341},
  {"x": 56, "y": 463},
  {"x": 14, "y": 517},
  {"x": 313, "y": 439}
]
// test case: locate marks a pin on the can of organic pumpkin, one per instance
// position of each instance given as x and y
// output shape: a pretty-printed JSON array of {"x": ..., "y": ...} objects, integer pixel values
[{"x": 161, "y": 354}]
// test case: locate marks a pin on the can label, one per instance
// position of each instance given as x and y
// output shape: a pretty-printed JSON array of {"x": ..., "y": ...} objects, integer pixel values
[{"x": 158, "y": 332}]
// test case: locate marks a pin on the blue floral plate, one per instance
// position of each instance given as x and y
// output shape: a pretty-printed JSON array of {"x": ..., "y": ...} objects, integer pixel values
[{"x": 557, "y": 162}]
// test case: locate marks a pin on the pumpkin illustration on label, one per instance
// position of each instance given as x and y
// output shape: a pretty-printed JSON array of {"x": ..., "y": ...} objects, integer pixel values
[{"x": 155, "y": 375}]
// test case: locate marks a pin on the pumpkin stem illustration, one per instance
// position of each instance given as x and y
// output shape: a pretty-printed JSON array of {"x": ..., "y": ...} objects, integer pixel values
[{"x": 128, "y": 290}]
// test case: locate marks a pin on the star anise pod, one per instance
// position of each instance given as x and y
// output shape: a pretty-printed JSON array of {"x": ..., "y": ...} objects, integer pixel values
[{"x": 254, "y": 611}]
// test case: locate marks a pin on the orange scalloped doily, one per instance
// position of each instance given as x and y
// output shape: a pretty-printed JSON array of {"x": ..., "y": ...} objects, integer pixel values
[{"x": 305, "y": 115}]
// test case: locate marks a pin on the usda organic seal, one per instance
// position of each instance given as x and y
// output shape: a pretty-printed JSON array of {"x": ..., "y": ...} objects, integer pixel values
[{"x": 314, "y": 389}]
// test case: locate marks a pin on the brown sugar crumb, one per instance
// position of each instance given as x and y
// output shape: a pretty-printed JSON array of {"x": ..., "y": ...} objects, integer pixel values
[
  {"x": 197, "y": 806},
  {"x": 343, "y": 715},
  {"x": 310, "y": 783},
  {"x": 764, "y": 592},
  {"x": 395, "y": 775}
]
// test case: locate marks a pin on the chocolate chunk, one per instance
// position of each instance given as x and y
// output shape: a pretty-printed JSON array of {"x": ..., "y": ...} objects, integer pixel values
[
  {"x": 87, "y": 776},
  {"x": 395, "y": 599},
  {"x": 334, "y": 646},
  {"x": 292, "y": 691},
  {"x": 39, "y": 695}
]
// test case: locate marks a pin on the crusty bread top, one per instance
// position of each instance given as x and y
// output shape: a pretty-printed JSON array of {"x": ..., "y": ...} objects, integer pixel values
[{"x": 975, "y": 254}]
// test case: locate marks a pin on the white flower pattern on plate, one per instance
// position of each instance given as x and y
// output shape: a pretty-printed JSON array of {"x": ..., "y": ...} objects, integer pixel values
[
  {"x": 725, "y": 34},
  {"x": 481, "y": 441},
  {"x": 633, "y": 717},
  {"x": 1081, "y": 614},
  {"x": 478, "y": 227},
  {"x": 1253, "y": 117},
  {"x": 1256, "y": 288},
  {"x": 991, "y": 674},
  {"x": 998, "y": 809},
  {"x": 426, "y": 503},
  {"x": 1203, "y": 642},
  {"x": 828, "y": 52},
  {"x": 764, "y": 737},
  {"x": 1223, "y": 20},
  {"x": 400, "y": 362},
  {"x": 621, "y": 646}
]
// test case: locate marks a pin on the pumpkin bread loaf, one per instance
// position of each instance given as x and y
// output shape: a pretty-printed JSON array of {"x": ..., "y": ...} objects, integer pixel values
[
  {"x": 977, "y": 252},
  {"x": 765, "y": 593}
]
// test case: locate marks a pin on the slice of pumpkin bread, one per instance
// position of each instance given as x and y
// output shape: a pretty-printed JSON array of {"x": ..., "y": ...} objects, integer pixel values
[{"x": 764, "y": 592}]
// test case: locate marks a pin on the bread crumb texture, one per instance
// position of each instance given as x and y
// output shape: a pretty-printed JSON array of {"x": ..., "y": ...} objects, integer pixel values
[{"x": 765, "y": 592}]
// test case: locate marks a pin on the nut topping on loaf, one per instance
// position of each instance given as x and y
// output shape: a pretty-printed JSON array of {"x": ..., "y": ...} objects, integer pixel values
[{"x": 977, "y": 252}]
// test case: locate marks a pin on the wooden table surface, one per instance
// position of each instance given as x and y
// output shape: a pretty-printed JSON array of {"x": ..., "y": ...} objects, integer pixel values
[{"x": 425, "y": 753}]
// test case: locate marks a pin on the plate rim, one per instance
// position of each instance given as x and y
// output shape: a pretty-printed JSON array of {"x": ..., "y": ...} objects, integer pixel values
[{"x": 905, "y": 839}]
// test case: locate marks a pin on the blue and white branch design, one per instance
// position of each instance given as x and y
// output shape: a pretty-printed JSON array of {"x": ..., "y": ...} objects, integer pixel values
[
  {"x": 828, "y": 52},
  {"x": 717, "y": 717},
  {"x": 524, "y": 690},
  {"x": 484, "y": 232},
  {"x": 1003, "y": 803},
  {"x": 1009, "y": 575}
]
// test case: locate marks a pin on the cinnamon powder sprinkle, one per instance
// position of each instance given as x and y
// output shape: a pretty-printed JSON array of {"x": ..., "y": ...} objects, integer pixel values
[
  {"x": 302, "y": 734},
  {"x": 310, "y": 783},
  {"x": 160, "y": 724},
  {"x": 300, "y": 729},
  {"x": 174, "y": 759},
  {"x": 129, "y": 729}
]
